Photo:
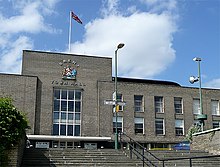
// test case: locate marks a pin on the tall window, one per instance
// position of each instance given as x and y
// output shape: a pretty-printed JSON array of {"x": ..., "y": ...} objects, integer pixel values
[
  {"x": 179, "y": 127},
  {"x": 196, "y": 106},
  {"x": 216, "y": 124},
  {"x": 159, "y": 125},
  {"x": 138, "y": 103},
  {"x": 67, "y": 112},
  {"x": 119, "y": 124},
  {"x": 178, "y": 105},
  {"x": 158, "y": 102},
  {"x": 139, "y": 125},
  {"x": 215, "y": 107}
]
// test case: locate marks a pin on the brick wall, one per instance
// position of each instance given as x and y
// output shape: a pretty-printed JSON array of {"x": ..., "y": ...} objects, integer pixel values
[{"x": 207, "y": 140}]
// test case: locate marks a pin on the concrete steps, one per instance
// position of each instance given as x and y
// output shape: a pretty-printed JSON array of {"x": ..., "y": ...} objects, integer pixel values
[{"x": 109, "y": 158}]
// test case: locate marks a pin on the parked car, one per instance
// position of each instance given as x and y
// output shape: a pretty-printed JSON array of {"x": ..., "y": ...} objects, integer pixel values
[{"x": 185, "y": 145}]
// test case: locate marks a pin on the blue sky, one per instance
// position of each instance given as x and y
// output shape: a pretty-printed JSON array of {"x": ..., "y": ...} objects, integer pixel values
[{"x": 161, "y": 36}]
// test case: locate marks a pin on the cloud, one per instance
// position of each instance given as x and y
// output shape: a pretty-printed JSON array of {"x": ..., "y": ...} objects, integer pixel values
[
  {"x": 215, "y": 83},
  {"x": 10, "y": 59},
  {"x": 147, "y": 36},
  {"x": 29, "y": 18}
]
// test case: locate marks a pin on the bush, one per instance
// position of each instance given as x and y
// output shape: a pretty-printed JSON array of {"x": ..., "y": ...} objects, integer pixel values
[{"x": 13, "y": 124}]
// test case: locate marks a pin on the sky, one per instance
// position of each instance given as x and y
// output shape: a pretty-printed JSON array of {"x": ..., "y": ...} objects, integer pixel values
[{"x": 161, "y": 37}]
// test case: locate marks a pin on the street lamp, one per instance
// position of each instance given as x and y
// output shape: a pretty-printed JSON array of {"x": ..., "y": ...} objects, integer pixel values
[
  {"x": 121, "y": 45},
  {"x": 201, "y": 117}
]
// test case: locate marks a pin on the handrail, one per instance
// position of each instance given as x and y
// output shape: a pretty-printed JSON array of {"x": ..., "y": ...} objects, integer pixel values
[{"x": 145, "y": 160}]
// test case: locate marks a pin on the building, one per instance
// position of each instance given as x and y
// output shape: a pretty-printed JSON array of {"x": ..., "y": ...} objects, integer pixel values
[{"x": 63, "y": 96}]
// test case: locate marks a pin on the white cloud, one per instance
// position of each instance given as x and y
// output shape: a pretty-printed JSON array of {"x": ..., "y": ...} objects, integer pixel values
[
  {"x": 10, "y": 59},
  {"x": 147, "y": 37},
  {"x": 28, "y": 18},
  {"x": 215, "y": 83}
]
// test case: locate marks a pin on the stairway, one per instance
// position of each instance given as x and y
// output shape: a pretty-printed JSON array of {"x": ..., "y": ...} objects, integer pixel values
[
  {"x": 77, "y": 157},
  {"x": 200, "y": 162},
  {"x": 109, "y": 158}
]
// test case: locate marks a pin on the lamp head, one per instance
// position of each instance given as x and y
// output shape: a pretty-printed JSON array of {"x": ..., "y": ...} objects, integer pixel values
[
  {"x": 193, "y": 79},
  {"x": 121, "y": 45},
  {"x": 197, "y": 59}
]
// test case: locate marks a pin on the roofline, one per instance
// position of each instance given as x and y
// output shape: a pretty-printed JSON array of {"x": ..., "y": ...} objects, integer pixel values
[
  {"x": 135, "y": 80},
  {"x": 19, "y": 75},
  {"x": 70, "y": 54}
]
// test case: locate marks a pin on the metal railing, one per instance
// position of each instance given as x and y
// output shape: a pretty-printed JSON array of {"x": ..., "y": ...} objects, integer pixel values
[{"x": 149, "y": 159}]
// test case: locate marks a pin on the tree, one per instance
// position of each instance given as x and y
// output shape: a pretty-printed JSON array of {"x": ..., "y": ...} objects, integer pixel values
[
  {"x": 13, "y": 124},
  {"x": 193, "y": 129}
]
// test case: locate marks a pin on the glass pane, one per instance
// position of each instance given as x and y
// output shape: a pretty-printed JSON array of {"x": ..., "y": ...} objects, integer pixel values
[
  {"x": 56, "y": 94},
  {"x": 62, "y": 129},
  {"x": 64, "y": 94},
  {"x": 71, "y": 106},
  {"x": 78, "y": 106},
  {"x": 56, "y": 117},
  {"x": 63, "y": 117},
  {"x": 56, "y": 106},
  {"x": 77, "y": 116},
  {"x": 71, "y": 95},
  {"x": 55, "y": 129},
  {"x": 77, "y": 130},
  {"x": 77, "y": 95},
  {"x": 70, "y": 130},
  {"x": 63, "y": 105},
  {"x": 70, "y": 117}
]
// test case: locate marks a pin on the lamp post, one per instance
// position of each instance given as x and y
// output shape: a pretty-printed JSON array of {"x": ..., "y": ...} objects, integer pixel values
[
  {"x": 201, "y": 117},
  {"x": 121, "y": 45}
]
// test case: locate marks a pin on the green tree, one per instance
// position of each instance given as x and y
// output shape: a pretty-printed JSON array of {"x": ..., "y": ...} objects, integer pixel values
[
  {"x": 193, "y": 129},
  {"x": 13, "y": 124}
]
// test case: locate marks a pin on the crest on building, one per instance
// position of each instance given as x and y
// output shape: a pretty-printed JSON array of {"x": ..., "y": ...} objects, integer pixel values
[{"x": 69, "y": 71}]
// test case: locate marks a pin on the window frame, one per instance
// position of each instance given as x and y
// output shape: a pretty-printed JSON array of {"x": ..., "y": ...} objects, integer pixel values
[
  {"x": 215, "y": 107},
  {"x": 179, "y": 127},
  {"x": 159, "y": 104},
  {"x": 163, "y": 127},
  {"x": 139, "y": 125},
  {"x": 140, "y": 105},
  {"x": 178, "y": 105},
  {"x": 119, "y": 124}
]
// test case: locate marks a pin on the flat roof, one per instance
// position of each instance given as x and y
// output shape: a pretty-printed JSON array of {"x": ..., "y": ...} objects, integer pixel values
[{"x": 135, "y": 80}]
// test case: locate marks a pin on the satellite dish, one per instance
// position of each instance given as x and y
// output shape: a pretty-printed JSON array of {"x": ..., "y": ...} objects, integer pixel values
[{"x": 193, "y": 79}]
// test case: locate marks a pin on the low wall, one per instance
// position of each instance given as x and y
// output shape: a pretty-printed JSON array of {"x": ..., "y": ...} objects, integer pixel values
[
  {"x": 16, "y": 153},
  {"x": 208, "y": 140}
]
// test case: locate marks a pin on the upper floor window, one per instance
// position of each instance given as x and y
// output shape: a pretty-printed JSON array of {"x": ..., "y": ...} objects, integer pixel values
[
  {"x": 138, "y": 103},
  {"x": 158, "y": 102},
  {"x": 119, "y": 124},
  {"x": 215, "y": 107},
  {"x": 196, "y": 106},
  {"x": 159, "y": 125},
  {"x": 179, "y": 127},
  {"x": 178, "y": 105},
  {"x": 120, "y": 98},
  {"x": 139, "y": 125}
]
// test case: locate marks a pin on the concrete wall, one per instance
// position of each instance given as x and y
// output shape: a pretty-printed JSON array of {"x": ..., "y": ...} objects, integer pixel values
[{"x": 207, "y": 140}]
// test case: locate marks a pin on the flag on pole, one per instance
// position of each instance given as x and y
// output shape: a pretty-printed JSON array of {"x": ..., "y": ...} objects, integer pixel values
[{"x": 75, "y": 17}]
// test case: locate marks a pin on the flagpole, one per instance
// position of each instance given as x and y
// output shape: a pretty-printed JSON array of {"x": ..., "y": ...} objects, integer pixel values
[{"x": 70, "y": 27}]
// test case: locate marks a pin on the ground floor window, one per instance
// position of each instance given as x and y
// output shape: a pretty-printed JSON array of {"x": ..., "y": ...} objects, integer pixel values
[
  {"x": 119, "y": 124},
  {"x": 139, "y": 125},
  {"x": 67, "y": 112}
]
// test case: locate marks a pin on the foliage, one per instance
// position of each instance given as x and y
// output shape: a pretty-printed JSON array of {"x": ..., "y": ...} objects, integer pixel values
[
  {"x": 193, "y": 129},
  {"x": 12, "y": 123}
]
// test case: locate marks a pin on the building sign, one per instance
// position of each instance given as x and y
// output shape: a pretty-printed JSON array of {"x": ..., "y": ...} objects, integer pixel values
[
  {"x": 67, "y": 83},
  {"x": 69, "y": 69},
  {"x": 42, "y": 145}
]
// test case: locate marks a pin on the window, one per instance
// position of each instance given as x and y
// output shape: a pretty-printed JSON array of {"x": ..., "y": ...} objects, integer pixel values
[
  {"x": 196, "y": 106},
  {"x": 179, "y": 127},
  {"x": 178, "y": 105},
  {"x": 138, "y": 103},
  {"x": 120, "y": 98},
  {"x": 119, "y": 124},
  {"x": 139, "y": 125},
  {"x": 158, "y": 102},
  {"x": 215, "y": 107},
  {"x": 159, "y": 124},
  {"x": 67, "y": 112},
  {"x": 216, "y": 124}
]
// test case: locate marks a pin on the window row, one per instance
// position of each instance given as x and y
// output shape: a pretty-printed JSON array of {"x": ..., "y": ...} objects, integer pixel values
[
  {"x": 159, "y": 126},
  {"x": 178, "y": 105}
]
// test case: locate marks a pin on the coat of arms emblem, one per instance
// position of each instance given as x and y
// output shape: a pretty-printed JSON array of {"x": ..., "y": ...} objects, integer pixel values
[{"x": 69, "y": 70}]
